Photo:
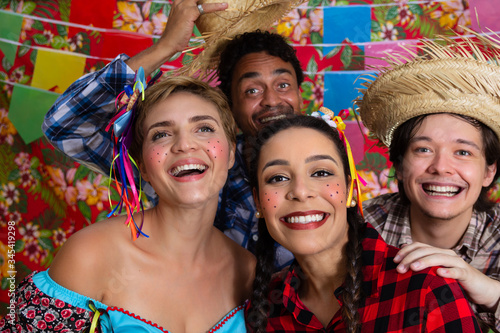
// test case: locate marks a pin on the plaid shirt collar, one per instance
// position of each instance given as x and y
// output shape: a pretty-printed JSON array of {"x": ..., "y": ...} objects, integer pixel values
[
  {"x": 398, "y": 217},
  {"x": 372, "y": 265},
  {"x": 292, "y": 302},
  {"x": 469, "y": 245}
]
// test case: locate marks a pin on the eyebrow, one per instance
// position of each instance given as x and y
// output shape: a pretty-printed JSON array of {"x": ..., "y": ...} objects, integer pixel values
[
  {"x": 195, "y": 119},
  {"x": 320, "y": 157},
  {"x": 460, "y": 141},
  {"x": 469, "y": 143},
  {"x": 307, "y": 160},
  {"x": 276, "y": 72}
]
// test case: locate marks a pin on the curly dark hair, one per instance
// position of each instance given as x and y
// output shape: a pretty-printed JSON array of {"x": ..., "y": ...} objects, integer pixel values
[
  {"x": 405, "y": 132},
  {"x": 254, "y": 42},
  {"x": 353, "y": 291}
]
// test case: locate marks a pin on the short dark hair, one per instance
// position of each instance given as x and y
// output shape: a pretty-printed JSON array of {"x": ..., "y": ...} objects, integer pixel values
[
  {"x": 254, "y": 42},
  {"x": 491, "y": 143}
]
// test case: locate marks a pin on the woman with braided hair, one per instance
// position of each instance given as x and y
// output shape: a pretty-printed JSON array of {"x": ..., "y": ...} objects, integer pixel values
[{"x": 343, "y": 278}]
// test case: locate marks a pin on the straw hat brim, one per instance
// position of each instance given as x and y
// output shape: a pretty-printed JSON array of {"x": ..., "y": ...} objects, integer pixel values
[
  {"x": 458, "y": 83},
  {"x": 218, "y": 28}
]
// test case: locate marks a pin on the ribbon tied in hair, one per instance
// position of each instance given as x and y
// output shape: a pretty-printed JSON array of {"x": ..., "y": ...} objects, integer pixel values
[
  {"x": 337, "y": 122},
  {"x": 123, "y": 165}
]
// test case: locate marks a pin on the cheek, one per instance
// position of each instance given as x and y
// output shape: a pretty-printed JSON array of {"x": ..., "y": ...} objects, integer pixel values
[
  {"x": 334, "y": 192},
  {"x": 269, "y": 201},
  {"x": 217, "y": 149},
  {"x": 154, "y": 156}
]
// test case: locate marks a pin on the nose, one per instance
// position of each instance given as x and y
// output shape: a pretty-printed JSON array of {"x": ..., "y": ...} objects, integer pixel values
[
  {"x": 300, "y": 190},
  {"x": 271, "y": 98},
  {"x": 441, "y": 164},
  {"x": 184, "y": 142}
]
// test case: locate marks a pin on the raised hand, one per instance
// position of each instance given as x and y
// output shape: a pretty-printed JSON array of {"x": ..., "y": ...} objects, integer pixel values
[{"x": 175, "y": 37}]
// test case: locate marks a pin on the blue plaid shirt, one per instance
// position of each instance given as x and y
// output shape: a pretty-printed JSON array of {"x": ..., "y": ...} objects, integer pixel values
[{"x": 76, "y": 125}]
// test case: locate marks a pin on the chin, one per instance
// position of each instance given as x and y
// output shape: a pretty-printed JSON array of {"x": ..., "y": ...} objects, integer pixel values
[{"x": 440, "y": 214}]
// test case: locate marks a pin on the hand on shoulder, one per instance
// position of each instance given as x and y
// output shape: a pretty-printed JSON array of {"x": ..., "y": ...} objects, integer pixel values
[{"x": 480, "y": 288}]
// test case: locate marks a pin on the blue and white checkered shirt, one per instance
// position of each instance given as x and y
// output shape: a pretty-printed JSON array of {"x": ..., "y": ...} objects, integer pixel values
[{"x": 76, "y": 125}]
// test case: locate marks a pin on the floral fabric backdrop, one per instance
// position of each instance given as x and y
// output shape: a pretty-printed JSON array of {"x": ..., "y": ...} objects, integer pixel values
[{"x": 47, "y": 44}]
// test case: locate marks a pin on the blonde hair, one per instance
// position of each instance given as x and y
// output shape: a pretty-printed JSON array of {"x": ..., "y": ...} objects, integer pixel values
[{"x": 165, "y": 88}]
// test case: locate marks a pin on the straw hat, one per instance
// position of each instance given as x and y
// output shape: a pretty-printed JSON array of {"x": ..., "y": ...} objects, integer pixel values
[
  {"x": 240, "y": 17},
  {"x": 459, "y": 76}
]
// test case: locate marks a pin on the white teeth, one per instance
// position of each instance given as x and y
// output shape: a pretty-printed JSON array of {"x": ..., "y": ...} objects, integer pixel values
[
  {"x": 273, "y": 118},
  {"x": 180, "y": 168},
  {"x": 305, "y": 219},
  {"x": 447, "y": 191}
]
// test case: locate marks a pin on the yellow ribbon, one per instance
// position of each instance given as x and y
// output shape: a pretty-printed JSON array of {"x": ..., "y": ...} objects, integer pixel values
[
  {"x": 355, "y": 179},
  {"x": 141, "y": 90},
  {"x": 95, "y": 320}
]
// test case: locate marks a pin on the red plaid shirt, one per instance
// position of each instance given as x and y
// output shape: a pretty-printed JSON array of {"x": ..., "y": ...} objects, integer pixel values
[{"x": 411, "y": 302}]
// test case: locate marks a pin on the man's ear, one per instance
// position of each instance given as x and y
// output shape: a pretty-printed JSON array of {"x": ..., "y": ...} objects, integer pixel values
[
  {"x": 489, "y": 176},
  {"x": 398, "y": 173}
]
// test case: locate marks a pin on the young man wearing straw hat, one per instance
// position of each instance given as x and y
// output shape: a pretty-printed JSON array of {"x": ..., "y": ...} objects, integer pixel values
[
  {"x": 259, "y": 72},
  {"x": 439, "y": 114}
]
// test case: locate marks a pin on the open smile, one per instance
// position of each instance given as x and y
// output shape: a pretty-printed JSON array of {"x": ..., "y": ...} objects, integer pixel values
[
  {"x": 269, "y": 115},
  {"x": 188, "y": 171},
  {"x": 305, "y": 220},
  {"x": 270, "y": 119},
  {"x": 442, "y": 191}
]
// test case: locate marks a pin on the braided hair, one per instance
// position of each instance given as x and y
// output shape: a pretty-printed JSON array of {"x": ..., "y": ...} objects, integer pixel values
[{"x": 352, "y": 293}]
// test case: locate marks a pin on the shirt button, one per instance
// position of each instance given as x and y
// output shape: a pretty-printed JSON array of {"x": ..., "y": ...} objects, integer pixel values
[{"x": 255, "y": 237}]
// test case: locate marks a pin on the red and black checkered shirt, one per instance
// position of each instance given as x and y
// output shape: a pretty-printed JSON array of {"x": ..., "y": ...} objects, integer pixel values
[{"x": 412, "y": 302}]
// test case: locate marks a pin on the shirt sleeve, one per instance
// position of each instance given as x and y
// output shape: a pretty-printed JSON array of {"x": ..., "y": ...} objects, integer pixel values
[
  {"x": 37, "y": 312},
  {"x": 76, "y": 123},
  {"x": 489, "y": 318},
  {"x": 447, "y": 308}
]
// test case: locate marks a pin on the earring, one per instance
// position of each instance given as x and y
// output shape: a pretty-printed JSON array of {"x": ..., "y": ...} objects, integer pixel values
[
  {"x": 353, "y": 203},
  {"x": 258, "y": 214}
]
